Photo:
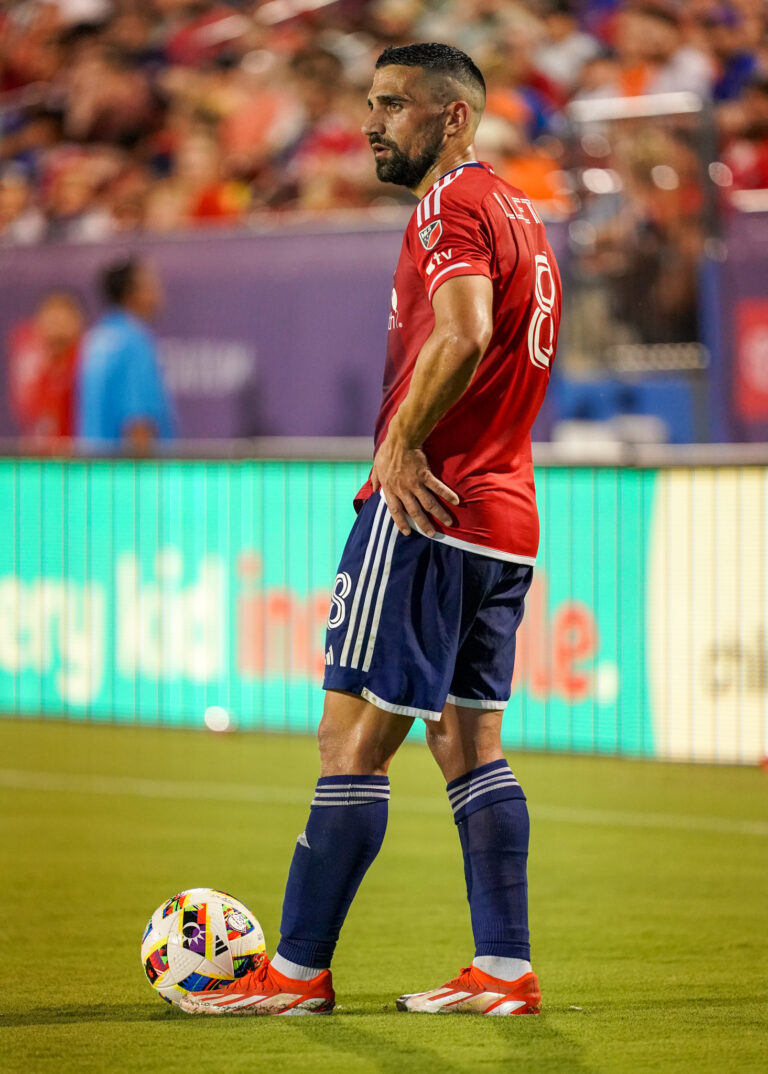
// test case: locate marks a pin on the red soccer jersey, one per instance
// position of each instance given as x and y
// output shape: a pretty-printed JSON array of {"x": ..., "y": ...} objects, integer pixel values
[{"x": 471, "y": 223}]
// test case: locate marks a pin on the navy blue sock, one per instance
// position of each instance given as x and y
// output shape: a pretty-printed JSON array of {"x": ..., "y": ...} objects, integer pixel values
[
  {"x": 344, "y": 833},
  {"x": 491, "y": 813}
]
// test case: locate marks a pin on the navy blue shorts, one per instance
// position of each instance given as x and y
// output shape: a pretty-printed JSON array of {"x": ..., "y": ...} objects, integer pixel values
[{"x": 416, "y": 622}]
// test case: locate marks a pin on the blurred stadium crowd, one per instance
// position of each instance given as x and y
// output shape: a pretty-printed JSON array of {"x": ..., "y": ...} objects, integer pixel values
[{"x": 126, "y": 116}]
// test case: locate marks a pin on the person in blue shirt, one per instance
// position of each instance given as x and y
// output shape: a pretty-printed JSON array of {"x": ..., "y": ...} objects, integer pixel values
[{"x": 122, "y": 399}]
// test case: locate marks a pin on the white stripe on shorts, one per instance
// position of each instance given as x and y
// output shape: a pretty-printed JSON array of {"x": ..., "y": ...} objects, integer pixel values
[
  {"x": 399, "y": 710},
  {"x": 476, "y": 703},
  {"x": 380, "y": 598},
  {"x": 386, "y": 529},
  {"x": 361, "y": 581}
]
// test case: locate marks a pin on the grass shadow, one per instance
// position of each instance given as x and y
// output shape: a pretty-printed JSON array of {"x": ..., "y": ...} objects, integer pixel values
[
  {"x": 417, "y": 1043},
  {"x": 92, "y": 1012}
]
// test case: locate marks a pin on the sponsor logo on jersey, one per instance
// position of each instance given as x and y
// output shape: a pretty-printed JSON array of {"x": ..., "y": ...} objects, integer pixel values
[
  {"x": 437, "y": 259},
  {"x": 430, "y": 235},
  {"x": 393, "y": 321}
]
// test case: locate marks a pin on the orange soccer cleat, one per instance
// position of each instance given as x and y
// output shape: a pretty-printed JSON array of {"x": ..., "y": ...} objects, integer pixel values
[
  {"x": 476, "y": 992},
  {"x": 265, "y": 991}
]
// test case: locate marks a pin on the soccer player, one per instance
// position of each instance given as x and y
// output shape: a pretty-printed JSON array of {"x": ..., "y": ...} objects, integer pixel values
[{"x": 432, "y": 581}]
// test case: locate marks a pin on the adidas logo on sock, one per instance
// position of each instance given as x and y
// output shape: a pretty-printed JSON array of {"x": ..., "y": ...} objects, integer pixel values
[{"x": 303, "y": 841}]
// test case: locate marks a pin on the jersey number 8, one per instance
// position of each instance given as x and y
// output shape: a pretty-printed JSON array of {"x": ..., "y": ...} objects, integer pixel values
[
  {"x": 541, "y": 328},
  {"x": 341, "y": 587}
]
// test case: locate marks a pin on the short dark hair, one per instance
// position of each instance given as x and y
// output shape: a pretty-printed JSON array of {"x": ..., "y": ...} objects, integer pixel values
[
  {"x": 441, "y": 59},
  {"x": 118, "y": 278}
]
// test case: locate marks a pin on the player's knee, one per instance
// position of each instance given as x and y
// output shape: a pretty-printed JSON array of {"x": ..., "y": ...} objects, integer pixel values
[
  {"x": 447, "y": 749},
  {"x": 441, "y": 743},
  {"x": 329, "y": 743},
  {"x": 460, "y": 742},
  {"x": 344, "y": 752}
]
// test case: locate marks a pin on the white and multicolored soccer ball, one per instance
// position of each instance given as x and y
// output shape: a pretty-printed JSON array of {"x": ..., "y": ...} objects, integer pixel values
[{"x": 199, "y": 940}]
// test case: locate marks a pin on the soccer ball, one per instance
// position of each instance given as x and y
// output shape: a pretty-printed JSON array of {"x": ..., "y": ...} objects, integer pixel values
[{"x": 199, "y": 940}]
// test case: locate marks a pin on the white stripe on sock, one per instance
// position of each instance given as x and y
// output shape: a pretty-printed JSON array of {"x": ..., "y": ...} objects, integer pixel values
[
  {"x": 353, "y": 786},
  {"x": 343, "y": 794},
  {"x": 479, "y": 781},
  {"x": 478, "y": 792},
  {"x": 379, "y": 791},
  {"x": 471, "y": 795},
  {"x": 349, "y": 796},
  {"x": 345, "y": 801}
]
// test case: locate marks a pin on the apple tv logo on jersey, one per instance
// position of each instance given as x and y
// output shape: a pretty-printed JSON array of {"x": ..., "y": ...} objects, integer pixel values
[{"x": 437, "y": 258}]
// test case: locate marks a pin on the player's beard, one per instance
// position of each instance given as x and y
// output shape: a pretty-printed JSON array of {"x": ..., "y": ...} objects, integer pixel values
[{"x": 407, "y": 171}]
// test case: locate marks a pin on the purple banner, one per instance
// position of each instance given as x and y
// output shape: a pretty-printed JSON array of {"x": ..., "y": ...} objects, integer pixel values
[{"x": 279, "y": 333}]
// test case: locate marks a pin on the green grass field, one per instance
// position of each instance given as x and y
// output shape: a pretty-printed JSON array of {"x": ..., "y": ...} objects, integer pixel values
[{"x": 649, "y": 910}]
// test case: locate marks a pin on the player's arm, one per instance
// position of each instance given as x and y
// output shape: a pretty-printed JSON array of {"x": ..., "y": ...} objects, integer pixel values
[{"x": 463, "y": 308}]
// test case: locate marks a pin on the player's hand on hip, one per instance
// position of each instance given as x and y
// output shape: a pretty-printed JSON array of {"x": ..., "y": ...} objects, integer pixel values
[{"x": 410, "y": 488}]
